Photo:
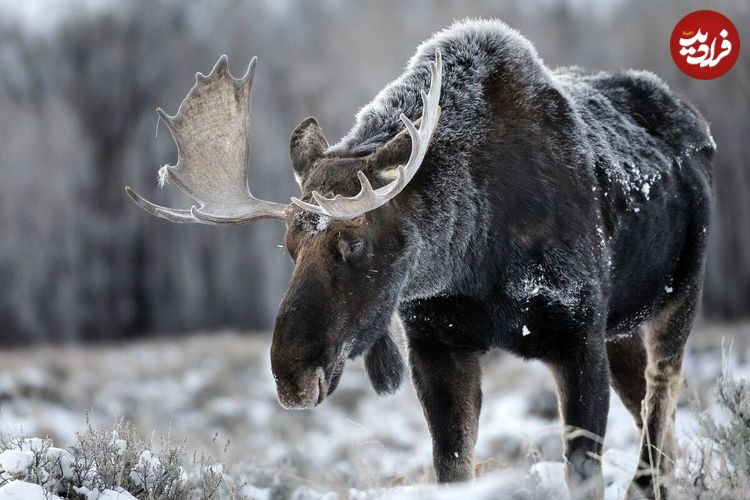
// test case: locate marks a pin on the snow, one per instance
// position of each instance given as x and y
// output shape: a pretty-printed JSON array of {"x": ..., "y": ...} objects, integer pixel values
[
  {"x": 250, "y": 491},
  {"x": 525, "y": 331},
  {"x": 536, "y": 283},
  {"x": 312, "y": 223},
  {"x": 119, "y": 444},
  {"x": 32, "y": 444},
  {"x": 355, "y": 444},
  {"x": 118, "y": 494},
  {"x": 323, "y": 222},
  {"x": 20, "y": 490},
  {"x": 144, "y": 472},
  {"x": 618, "y": 467},
  {"x": 551, "y": 474},
  {"x": 16, "y": 461},
  {"x": 63, "y": 462}
]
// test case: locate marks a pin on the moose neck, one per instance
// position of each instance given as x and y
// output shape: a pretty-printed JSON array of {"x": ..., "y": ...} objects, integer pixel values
[{"x": 447, "y": 221}]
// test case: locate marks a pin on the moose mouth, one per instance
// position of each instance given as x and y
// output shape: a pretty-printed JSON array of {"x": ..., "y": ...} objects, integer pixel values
[
  {"x": 312, "y": 389},
  {"x": 329, "y": 380}
]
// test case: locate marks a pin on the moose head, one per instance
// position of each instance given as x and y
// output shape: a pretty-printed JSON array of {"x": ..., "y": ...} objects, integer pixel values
[{"x": 347, "y": 240}]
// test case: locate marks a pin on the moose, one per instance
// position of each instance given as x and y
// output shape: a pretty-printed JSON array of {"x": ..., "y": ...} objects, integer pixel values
[{"x": 559, "y": 214}]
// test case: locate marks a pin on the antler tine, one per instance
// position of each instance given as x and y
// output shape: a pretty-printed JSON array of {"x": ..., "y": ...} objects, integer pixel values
[
  {"x": 366, "y": 195},
  {"x": 329, "y": 206},
  {"x": 170, "y": 214},
  {"x": 212, "y": 133},
  {"x": 367, "y": 199},
  {"x": 416, "y": 140}
]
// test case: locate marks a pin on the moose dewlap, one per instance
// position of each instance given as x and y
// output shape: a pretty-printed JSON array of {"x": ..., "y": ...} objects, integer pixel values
[{"x": 481, "y": 200}]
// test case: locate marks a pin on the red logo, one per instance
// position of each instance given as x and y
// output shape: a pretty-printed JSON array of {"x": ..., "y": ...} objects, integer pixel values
[{"x": 705, "y": 44}]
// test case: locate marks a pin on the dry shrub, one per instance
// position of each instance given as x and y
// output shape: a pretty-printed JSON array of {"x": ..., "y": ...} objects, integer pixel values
[{"x": 118, "y": 458}]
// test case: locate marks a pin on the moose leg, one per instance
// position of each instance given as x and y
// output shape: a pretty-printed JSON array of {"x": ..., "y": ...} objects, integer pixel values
[
  {"x": 627, "y": 369},
  {"x": 583, "y": 393},
  {"x": 665, "y": 338},
  {"x": 448, "y": 383}
]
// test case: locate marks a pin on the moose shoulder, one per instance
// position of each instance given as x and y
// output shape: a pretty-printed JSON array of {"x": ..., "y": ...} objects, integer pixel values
[{"x": 558, "y": 214}]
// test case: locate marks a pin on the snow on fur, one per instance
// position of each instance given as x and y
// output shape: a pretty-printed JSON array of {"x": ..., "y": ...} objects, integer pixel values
[{"x": 473, "y": 53}]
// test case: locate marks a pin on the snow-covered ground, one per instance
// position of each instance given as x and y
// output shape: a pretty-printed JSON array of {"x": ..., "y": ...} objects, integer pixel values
[{"x": 217, "y": 387}]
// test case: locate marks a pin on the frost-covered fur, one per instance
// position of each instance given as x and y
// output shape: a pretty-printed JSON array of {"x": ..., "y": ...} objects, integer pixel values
[
  {"x": 555, "y": 214},
  {"x": 473, "y": 52}
]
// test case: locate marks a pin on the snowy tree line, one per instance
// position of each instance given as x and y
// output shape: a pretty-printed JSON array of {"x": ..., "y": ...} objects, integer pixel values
[{"x": 78, "y": 261}]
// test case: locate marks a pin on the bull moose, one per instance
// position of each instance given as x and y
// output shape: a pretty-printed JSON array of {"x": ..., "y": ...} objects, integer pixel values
[{"x": 558, "y": 214}]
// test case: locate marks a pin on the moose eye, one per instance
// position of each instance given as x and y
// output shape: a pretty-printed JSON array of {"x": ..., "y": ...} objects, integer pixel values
[
  {"x": 356, "y": 246},
  {"x": 352, "y": 250}
]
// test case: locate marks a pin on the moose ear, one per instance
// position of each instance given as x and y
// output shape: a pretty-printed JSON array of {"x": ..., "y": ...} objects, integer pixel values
[
  {"x": 395, "y": 152},
  {"x": 306, "y": 145}
]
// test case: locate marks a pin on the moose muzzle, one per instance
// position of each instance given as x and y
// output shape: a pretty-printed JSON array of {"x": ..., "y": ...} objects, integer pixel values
[
  {"x": 305, "y": 390},
  {"x": 301, "y": 351}
]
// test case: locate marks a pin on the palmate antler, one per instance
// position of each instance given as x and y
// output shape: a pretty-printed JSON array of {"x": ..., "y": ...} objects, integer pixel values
[
  {"x": 340, "y": 207},
  {"x": 212, "y": 131}
]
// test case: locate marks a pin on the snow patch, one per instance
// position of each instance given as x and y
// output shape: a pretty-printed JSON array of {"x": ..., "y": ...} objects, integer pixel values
[
  {"x": 536, "y": 284},
  {"x": 525, "y": 331},
  {"x": 117, "y": 494},
  {"x": 323, "y": 222},
  {"x": 16, "y": 461},
  {"x": 312, "y": 223},
  {"x": 21, "y": 490}
]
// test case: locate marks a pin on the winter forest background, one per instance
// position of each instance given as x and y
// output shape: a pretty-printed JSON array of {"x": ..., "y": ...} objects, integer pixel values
[{"x": 79, "y": 82}]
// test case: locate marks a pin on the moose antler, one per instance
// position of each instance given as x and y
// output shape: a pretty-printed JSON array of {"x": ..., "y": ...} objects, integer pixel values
[
  {"x": 340, "y": 207},
  {"x": 212, "y": 131}
]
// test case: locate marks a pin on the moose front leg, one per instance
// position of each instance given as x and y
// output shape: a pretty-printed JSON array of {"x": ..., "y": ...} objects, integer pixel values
[
  {"x": 582, "y": 378},
  {"x": 448, "y": 384}
]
